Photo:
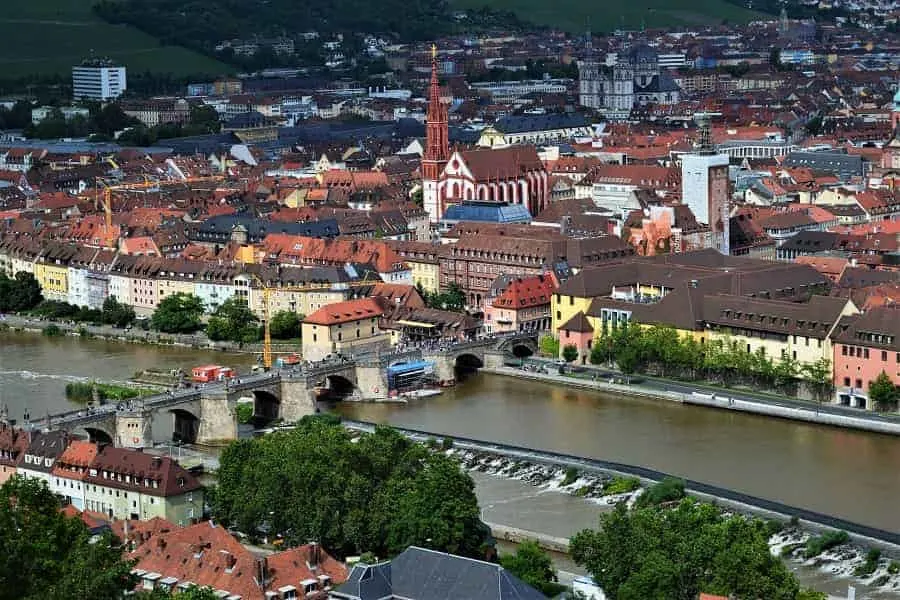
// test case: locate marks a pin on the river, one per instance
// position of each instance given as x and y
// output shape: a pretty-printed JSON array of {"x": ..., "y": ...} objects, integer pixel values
[{"x": 845, "y": 473}]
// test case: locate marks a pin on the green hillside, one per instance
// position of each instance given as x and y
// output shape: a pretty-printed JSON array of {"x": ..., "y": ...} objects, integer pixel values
[
  {"x": 577, "y": 16},
  {"x": 47, "y": 37}
]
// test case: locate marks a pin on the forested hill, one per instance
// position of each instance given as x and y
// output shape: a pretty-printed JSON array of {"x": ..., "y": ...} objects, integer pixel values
[{"x": 201, "y": 24}]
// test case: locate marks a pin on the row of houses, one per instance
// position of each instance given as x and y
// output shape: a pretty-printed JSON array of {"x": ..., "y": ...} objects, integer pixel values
[
  {"x": 776, "y": 309},
  {"x": 118, "y": 483}
]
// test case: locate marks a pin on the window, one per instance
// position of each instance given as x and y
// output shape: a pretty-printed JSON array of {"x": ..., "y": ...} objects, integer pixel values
[
  {"x": 859, "y": 383},
  {"x": 571, "y": 300},
  {"x": 866, "y": 353},
  {"x": 844, "y": 350},
  {"x": 846, "y": 382},
  {"x": 884, "y": 356},
  {"x": 558, "y": 315}
]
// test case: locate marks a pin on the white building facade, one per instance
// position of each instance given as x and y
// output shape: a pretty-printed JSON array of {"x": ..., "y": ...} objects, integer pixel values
[{"x": 99, "y": 81}]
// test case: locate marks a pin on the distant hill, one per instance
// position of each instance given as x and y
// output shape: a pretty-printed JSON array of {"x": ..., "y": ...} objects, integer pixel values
[
  {"x": 577, "y": 16},
  {"x": 46, "y": 37}
]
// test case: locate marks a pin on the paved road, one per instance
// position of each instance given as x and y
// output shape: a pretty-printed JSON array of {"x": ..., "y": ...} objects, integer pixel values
[{"x": 663, "y": 385}]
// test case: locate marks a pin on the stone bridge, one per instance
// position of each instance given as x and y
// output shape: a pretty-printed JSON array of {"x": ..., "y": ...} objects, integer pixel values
[
  {"x": 207, "y": 414},
  {"x": 489, "y": 352}
]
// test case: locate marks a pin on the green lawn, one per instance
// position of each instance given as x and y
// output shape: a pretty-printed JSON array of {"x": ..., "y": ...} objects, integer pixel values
[
  {"x": 50, "y": 36},
  {"x": 577, "y": 16}
]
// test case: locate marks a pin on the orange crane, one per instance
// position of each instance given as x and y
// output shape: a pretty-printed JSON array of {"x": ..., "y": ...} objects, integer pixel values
[{"x": 267, "y": 291}]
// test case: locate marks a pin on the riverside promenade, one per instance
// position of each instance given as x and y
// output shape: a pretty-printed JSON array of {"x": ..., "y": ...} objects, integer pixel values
[{"x": 725, "y": 399}]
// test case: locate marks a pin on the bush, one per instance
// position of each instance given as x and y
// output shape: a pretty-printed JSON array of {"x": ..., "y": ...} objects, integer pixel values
[
  {"x": 774, "y": 526},
  {"x": 894, "y": 567},
  {"x": 446, "y": 444},
  {"x": 819, "y": 544},
  {"x": 871, "y": 563},
  {"x": 571, "y": 476},
  {"x": 244, "y": 412},
  {"x": 669, "y": 489},
  {"x": 621, "y": 485},
  {"x": 52, "y": 331}
]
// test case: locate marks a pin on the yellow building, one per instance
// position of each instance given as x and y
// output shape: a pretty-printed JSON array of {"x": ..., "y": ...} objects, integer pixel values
[
  {"x": 53, "y": 279},
  {"x": 798, "y": 330},
  {"x": 423, "y": 260},
  {"x": 51, "y": 269},
  {"x": 344, "y": 328}
]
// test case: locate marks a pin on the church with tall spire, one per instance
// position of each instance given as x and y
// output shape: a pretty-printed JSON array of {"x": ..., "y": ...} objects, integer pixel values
[{"x": 437, "y": 145}]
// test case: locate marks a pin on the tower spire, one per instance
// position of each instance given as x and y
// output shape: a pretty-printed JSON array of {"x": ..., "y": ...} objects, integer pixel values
[{"x": 437, "y": 145}]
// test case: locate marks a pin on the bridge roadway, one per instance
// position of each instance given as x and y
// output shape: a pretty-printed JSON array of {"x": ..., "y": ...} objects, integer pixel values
[{"x": 286, "y": 393}]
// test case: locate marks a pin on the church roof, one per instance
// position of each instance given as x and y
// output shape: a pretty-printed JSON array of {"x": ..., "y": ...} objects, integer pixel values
[
  {"x": 502, "y": 163},
  {"x": 659, "y": 83},
  {"x": 642, "y": 53}
]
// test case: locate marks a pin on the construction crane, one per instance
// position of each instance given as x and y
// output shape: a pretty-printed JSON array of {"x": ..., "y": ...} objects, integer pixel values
[{"x": 267, "y": 292}]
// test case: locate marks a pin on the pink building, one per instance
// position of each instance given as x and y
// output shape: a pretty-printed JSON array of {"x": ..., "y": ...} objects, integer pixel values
[
  {"x": 578, "y": 332},
  {"x": 864, "y": 346},
  {"x": 13, "y": 442},
  {"x": 523, "y": 306}
]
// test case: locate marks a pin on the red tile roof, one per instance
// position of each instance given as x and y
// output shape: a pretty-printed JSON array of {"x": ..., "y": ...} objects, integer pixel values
[
  {"x": 75, "y": 460},
  {"x": 296, "y": 249},
  {"x": 346, "y": 312},
  {"x": 502, "y": 163},
  {"x": 166, "y": 476},
  {"x": 207, "y": 555},
  {"x": 526, "y": 292}
]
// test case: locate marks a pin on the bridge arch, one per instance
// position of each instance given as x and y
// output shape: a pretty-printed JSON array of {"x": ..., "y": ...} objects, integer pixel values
[
  {"x": 467, "y": 364},
  {"x": 339, "y": 387},
  {"x": 95, "y": 434},
  {"x": 266, "y": 406},
  {"x": 185, "y": 425}
]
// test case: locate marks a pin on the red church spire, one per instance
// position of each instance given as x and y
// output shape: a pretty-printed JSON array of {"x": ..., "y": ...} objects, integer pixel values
[{"x": 437, "y": 137}]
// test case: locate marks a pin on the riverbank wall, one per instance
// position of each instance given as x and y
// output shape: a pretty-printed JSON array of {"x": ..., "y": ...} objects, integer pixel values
[
  {"x": 730, "y": 499},
  {"x": 135, "y": 335},
  {"x": 786, "y": 410}
]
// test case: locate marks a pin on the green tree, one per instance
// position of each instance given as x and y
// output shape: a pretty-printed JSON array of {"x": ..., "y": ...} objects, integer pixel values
[
  {"x": 116, "y": 313},
  {"x": 818, "y": 375},
  {"x": 533, "y": 566},
  {"x": 549, "y": 346},
  {"x": 233, "y": 321},
  {"x": 20, "y": 293},
  {"x": 44, "y": 554},
  {"x": 570, "y": 352},
  {"x": 192, "y": 593},
  {"x": 178, "y": 313},
  {"x": 883, "y": 392},
  {"x": 675, "y": 554},
  {"x": 388, "y": 491},
  {"x": 285, "y": 325}
]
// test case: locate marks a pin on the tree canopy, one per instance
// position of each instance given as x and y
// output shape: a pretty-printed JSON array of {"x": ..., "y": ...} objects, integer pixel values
[
  {"x": 44, "y": 554},
  {"x": 233, "y": 321},
  {"x": 178, "y": 313},
  {"x": 675, "y": 554},
  {"x": 533, "y": 566},
  {"x": 380, "y": 493},
  {"x": 116, "y": 313},
  {"x": 285, "y": 325},
  {"x": 883, "y": 393},
  {"x": 18, "y": 294}
]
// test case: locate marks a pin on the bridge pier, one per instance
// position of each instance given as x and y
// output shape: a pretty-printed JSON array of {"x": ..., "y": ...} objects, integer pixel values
[
  {"x": 298, "y": 398},
  {"x": 218, "y": 419},
  {"x": 371, "y": 382}
]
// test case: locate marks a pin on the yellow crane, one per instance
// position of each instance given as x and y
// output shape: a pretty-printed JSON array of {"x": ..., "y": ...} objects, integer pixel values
[{"x": 268, "y": 290}]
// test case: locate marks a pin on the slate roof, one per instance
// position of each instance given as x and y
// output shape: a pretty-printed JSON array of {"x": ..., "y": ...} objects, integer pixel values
[
  {"x": 47, "y": 445},
  {"x": 420, "y": 574},
  {"x": 578, "y": 323},
  {"x": 525, "y": 123},
  {"x": 492, "y": 212},
  {"x": 877, "y": 328},
  {"x": 220, "y": 227}
]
